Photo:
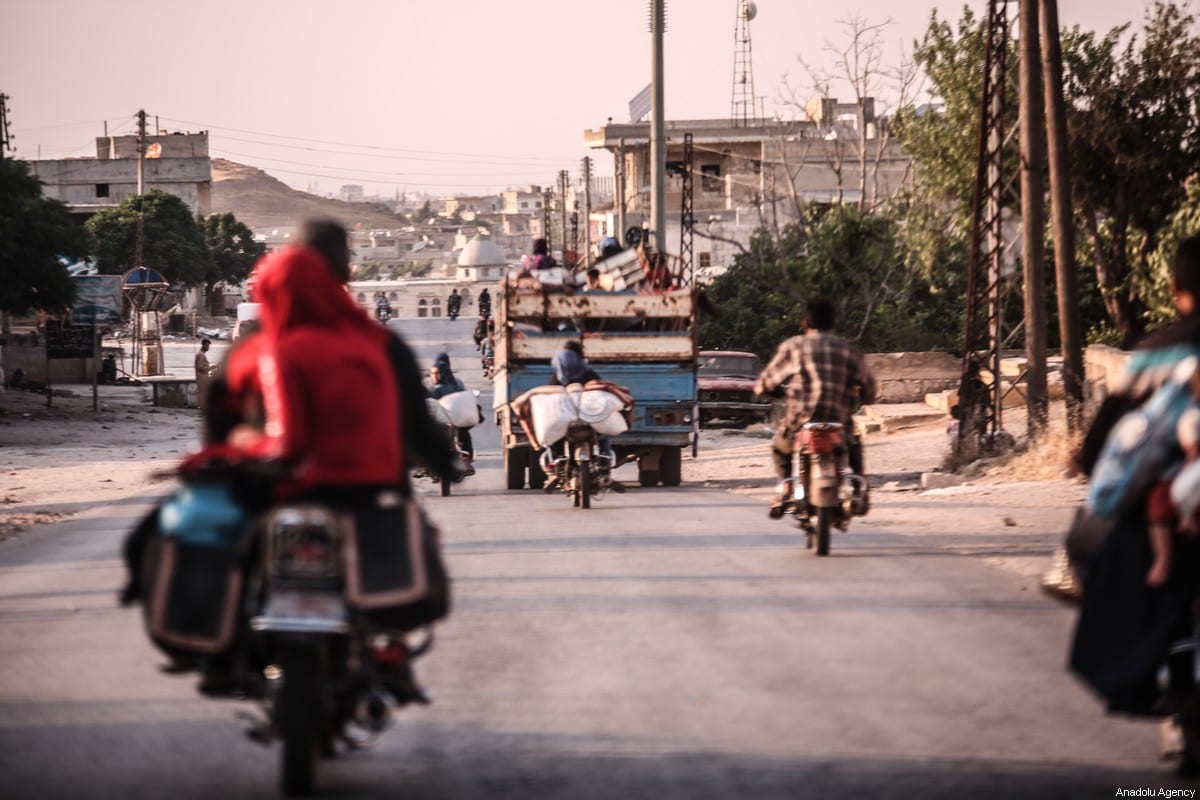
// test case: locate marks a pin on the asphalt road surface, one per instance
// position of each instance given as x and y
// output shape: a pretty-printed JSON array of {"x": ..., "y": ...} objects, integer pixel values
[{"x": 667, "y": 643}]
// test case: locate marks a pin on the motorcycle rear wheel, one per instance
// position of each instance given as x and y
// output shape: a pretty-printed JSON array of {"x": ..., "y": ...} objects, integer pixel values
[
  {"x": 824, "y": 523},
  {"x": 585, "y": 484},
  {"x": 445, "y": 486},
  {"x": 299, "y": 720}
]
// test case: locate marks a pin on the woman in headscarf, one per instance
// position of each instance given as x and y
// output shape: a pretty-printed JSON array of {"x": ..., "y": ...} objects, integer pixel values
[{"x": 331, "y": 403}]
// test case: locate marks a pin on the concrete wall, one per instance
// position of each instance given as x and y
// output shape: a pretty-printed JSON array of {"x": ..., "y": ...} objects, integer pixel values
[
  {"x": 908, "y": 377},
  {"x": 28, "y": 352},
  {"x": 1102, "y": 368}
]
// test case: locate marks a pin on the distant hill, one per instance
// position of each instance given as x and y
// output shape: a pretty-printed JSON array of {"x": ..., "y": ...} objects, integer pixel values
[{"x": 260, "y": 201}]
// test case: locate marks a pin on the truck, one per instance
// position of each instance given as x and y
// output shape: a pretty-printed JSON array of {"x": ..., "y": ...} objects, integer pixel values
[{"x": 643, "y": 341}]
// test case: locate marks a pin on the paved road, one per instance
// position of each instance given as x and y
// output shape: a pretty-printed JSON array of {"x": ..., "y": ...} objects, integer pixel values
[{"x": 668, "y": 643}]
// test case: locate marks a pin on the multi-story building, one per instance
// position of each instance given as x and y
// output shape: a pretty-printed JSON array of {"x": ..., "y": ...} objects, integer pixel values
[
  {"x": 176, "y": 163},
  {"x": 746, "y": 174}
]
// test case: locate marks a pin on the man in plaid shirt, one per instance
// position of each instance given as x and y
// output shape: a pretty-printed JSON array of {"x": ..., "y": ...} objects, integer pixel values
[{"x": 828, "y": 381}]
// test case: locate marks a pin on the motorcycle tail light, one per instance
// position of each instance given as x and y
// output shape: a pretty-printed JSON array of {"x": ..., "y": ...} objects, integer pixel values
[
  {"x": 304, "y": 544},
  {"x": 821, "y": 442}
]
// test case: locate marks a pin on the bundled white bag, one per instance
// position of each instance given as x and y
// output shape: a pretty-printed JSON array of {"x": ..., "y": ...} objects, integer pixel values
[
  {"x": 601, "y": 410},
  {"x": 553, "y": 413},
  {"x": 461, "y": 409}
]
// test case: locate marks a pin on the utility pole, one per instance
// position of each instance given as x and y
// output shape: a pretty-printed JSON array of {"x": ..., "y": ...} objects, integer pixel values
[
  {"x": 587, "y": 211},
  {"x": 1062, "y": 218},
  {"x": 141, "y": 151},
  {"x": 658, "y": 143},
  {"x": 563, "y": 178},
  {"x": 547, "y": 198},
  {"x": 5, "y": 136},
  {"x": 621, "y": 191},
  {"x": 1032, "y": 218}
]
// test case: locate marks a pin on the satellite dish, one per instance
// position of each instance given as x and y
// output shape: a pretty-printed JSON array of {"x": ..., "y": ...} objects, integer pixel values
[
  {"x": 748, "y": 10},
  {"x": 633, "y": 237}
]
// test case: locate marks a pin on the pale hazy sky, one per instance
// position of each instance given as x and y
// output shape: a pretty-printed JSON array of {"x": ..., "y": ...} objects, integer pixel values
[{"x": 447, "y": 97}]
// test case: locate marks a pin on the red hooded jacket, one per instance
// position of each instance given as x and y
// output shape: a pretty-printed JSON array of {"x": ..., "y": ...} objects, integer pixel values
[{"x": 326, "y": 383}]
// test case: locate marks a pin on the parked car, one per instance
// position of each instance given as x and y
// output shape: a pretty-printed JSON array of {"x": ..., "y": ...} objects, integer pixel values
[{"x": 725, "y": 387}]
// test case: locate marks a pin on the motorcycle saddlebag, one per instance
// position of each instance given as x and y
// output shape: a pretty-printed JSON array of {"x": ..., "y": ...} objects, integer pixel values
[
  {"x": 394, "y": 569},
  {"x": 194, "y": 598},
  {"x": 196, "y": 571}
]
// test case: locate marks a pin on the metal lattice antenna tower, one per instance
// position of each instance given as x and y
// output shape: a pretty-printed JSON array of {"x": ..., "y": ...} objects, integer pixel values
[
  {"x": 5, "y": 137},
  {"x": 980, "y": 400},
  {"x": 742, "y": 104}
]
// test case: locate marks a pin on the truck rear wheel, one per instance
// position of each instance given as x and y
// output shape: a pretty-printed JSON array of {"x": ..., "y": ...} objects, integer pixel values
[
  {"x": 514, "y": 468},
  {"x": 671, "y": 466}
]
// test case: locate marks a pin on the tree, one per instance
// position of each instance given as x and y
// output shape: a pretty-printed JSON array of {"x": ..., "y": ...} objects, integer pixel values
[
  {"x": 232, "y": 251},
  {"x": 34, "y": 233},
  {"x": 1135, "y": 139},
  {"x": 172, "y": 242}
]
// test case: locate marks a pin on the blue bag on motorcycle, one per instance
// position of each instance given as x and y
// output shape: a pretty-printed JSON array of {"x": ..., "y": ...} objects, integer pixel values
[
  {"x": 394, "y": 569},
  {"x": 1141, "y": 446},
  {"x": 197, "y": 573}
]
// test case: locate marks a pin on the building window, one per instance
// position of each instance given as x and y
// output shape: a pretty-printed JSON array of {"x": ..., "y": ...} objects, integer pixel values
[
  {"x": 362, "y": 298},
  {"x": 524, "y": 205},
  {"x": 394, "y": 295},
  {"x": 710, "y": 178},
  {"x": 101, "y": 190},
  {"x": 422, "y": 311},
  {"x": 674, "y": 169},
  {"x": 705, "y": 260}
]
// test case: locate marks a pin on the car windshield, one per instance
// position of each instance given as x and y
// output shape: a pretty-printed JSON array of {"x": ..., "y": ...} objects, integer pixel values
[{"x": 731, "y": 365}]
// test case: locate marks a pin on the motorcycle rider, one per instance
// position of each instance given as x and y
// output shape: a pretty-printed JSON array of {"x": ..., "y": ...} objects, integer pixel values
[
  {"x": 443, "y": 381},
  {"x": 826, "y": 380},
  {"x": 485, "y": 303},
  {"x": 453, "y": 304}
]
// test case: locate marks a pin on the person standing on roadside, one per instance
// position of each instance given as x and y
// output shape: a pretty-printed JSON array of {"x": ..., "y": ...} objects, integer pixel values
[{"x": 204, "y": 372}]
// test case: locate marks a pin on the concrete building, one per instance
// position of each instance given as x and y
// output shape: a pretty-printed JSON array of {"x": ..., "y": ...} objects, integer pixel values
[
  {"x": 482, "y": 260},
  {"x": 745, "y": 175},
  {"x": 176, "y": 163},
  {"x": 526, "y": 200}
]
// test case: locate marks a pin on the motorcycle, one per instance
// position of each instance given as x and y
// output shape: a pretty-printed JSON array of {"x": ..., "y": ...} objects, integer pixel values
[
  {"x": 272, "y": 609},
  {"x": 328, "y": 667},
  {"x": 822, "y": 493},
  {"x": 582, "y": 471},
  {"x": 441, "y": 415},
  {"x": 383, "y": 313}
]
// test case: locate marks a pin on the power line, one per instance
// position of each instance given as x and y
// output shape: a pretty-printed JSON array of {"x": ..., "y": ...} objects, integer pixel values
[{"x": 351, "y": 144}]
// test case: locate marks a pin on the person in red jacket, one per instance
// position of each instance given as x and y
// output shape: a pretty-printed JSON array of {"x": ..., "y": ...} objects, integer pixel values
[{"x": 330, "y": 401}]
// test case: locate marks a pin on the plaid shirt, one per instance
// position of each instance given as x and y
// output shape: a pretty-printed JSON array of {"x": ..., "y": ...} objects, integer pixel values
[{"x": 828, "y": 378}]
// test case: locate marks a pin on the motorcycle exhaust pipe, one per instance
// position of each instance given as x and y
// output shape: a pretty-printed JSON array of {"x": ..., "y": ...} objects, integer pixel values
[{"x": 373, "y": 712}]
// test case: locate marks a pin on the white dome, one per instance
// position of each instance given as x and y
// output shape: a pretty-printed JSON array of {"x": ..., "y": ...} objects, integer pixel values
[{"x": 481, "y": 252}]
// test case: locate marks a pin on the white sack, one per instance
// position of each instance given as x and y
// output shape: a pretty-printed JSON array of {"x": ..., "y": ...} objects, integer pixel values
[
  {"x": 461, "y": 408},
  {"x": 552, "y": 414}
]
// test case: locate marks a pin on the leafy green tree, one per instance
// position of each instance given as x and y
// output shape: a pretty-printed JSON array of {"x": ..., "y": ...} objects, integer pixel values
[
  {"x": 34, "y": 233},
  {"x": 1134, "y": 120},
  {"x": 1134, "y": 139},
  {"x": 855, "y": 258},
  {"x": 172, "y": 241},
  {"x": 232, "y": 250}
]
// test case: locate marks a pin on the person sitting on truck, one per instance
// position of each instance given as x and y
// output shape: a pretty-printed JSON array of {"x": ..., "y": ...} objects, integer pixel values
[{"x": 541, "y": 258}]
